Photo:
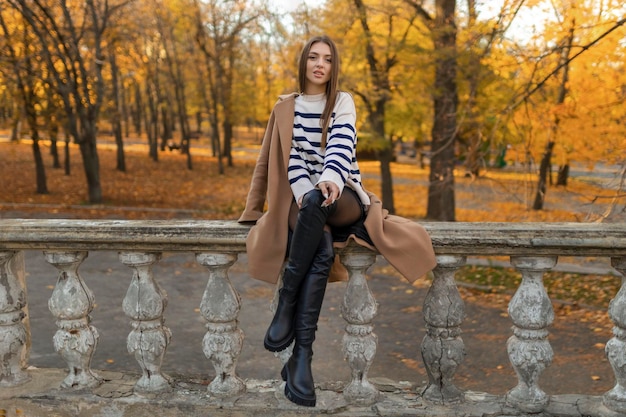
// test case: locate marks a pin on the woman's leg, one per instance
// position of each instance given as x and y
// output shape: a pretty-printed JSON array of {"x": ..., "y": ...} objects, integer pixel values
[
  {"x": 299, "y": 386},
  {"x": 306, "y": 245},
  {"x": 348, "y": 211}
]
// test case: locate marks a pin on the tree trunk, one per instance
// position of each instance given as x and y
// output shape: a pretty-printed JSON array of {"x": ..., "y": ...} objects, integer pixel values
[
  {"x": 91, "y": 164},
  {"x": 151, "y": 115},
  {"x": 377, "y": 121},
  {"x": 379, "y": 75},
  {"x": 227, "y": 97},
  {"x": 119, "y": 142},
  {"x": 544, "y": 171},
  {"x": 166, "y": 130},
  {"x": 386, "y": 157},
  {"x": 125, "y": 99},
  {"x": 16, "y": 126},
  {"x": 54, "y": 139},
  {"x": 199, "y": 122},
  {"x": 117, "y": 117},
  {"x": 441, "y": 204},
  {"x": 474, "y": 153},
  {"x": 228, "y": 136},
  {"x": 137, "y": 113},
  {"x": 215, "y": 143},
  {"x": 563, "y": 175},
  {"x": 66, "y": 149},
  {"x": 42, "y": 187},
  {"x": 31, "y": 117}
]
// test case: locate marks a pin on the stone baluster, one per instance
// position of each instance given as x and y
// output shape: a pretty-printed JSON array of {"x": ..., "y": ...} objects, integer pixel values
[
  {"x": 284, "y": 354},
  {"x": 70, "y": 303},
  {"x": 359, "y": 342},
  {"x": 14, "y": 336},
  {"x": 529, "y": 350},
  {"x": 144, "y": 304},
  {"x": 615, "y": 399},
  {"x": 443, "y": 349},
  {"x": 224, "y": 339}
]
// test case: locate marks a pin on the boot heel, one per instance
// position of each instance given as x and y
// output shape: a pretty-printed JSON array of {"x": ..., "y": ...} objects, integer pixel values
[
  {"x": 297, "y": 398},
  {"x": 292, "y": 394}
]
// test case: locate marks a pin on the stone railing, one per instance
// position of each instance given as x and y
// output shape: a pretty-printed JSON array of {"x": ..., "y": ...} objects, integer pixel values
[{"x": 533, "y": 249}]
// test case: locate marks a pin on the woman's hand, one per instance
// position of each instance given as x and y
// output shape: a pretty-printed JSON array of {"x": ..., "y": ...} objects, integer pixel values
[{"x": 330, "y": 191}]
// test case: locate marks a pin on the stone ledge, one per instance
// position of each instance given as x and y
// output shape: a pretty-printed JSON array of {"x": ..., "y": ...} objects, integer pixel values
[{"x": 41, "y": 397}]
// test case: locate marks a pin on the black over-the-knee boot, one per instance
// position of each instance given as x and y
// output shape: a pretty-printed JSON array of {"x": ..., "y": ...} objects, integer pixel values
[
  {"x": 304, "y": 245},
  {"x": 299, "y": 387}
]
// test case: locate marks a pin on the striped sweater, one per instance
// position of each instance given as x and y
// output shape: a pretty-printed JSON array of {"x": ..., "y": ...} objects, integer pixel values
[{"x": 308, "y": 163}]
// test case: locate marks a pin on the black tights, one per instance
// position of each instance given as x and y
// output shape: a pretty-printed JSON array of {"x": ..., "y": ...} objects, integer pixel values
[{"x": 348, "y": 211}]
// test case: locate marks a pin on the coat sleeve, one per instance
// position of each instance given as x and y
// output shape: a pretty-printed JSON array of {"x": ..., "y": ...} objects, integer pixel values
[{"x": 255, "y": 201}]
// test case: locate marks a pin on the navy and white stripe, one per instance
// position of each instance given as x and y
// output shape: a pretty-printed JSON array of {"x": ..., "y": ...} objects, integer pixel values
[{"x": 308, "y": 163}]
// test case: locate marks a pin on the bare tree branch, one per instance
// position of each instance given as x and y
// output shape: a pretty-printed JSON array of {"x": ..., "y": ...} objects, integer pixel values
[{"x": 562, "y": 64}]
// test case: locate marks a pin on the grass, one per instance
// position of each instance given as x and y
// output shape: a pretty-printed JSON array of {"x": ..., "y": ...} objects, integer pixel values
[{"x": 583, "y": 290}]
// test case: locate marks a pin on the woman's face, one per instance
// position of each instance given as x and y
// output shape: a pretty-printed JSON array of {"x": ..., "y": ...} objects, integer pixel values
[{"x": 318, "y": 66}]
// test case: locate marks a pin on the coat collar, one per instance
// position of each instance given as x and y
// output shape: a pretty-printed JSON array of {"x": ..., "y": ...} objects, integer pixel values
[{"x": 285, "y": 109}]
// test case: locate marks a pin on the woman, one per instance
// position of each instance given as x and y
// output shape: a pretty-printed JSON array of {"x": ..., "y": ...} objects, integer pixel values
[{"x": 308, "y": 173}]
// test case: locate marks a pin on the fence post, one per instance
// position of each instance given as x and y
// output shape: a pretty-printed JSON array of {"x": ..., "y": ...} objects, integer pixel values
[
  {"x": 529, "y": 350},
  {"x": 224, "y": 339},
  {"x": 144, "y": 304},
  {"x": 443, "y": 349},
  {"x": 615, "y": 399},
  {"x": 359, "y": 342},
  {"x": 14, "y": 334},
  {"x": 70, "y": 303}
]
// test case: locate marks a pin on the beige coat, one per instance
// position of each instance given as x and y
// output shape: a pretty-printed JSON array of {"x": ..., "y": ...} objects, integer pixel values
[{"x": 405, "y": 244}]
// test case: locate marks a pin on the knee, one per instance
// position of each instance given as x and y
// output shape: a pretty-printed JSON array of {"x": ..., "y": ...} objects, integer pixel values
[{"x": 312, "y": 200}]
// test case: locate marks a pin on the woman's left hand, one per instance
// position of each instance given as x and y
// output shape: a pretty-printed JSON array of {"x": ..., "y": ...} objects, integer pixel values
[{"x": 330, "y": 191}]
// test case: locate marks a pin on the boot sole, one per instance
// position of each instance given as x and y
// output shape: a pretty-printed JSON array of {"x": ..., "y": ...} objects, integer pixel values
[
  {"x": 298, "y": 398},
  {"x": 277, "y": 347}
]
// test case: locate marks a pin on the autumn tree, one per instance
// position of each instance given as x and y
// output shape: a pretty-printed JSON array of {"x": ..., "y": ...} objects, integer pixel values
[
  {"x": 120, "y": 76},
  {"x": 386, "y": 34},
  {"x": 570, "y": 97},
  {"x": 174, "y": 43},
  {"x": 220, "y": 28},
  {"x": 544, "y": 167},
  {"x": 482, "y": 92},
  {"x": 28, "y": 73},
  {"x": 116, "y": 111},
  {"x": 443, "y": 31},
  {"x": 71, "y": 40}
]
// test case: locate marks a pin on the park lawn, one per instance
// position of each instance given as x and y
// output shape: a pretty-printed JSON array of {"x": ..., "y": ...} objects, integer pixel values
[{"x": 167, "y": 189}]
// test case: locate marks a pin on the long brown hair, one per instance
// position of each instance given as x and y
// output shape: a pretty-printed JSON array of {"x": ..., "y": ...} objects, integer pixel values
[{"x": 333, "y": 82}]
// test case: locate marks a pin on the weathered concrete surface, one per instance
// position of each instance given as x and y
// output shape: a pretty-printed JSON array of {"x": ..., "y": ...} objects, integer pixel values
[{"x": 115, "y": 398}]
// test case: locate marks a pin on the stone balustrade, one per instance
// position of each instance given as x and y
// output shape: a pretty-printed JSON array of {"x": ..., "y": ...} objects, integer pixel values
[{"x": 533, "y": 249}]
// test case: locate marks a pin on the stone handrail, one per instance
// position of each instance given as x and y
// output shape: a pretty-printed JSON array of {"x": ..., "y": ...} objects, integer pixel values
[{"x": 533, "y": 249}]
